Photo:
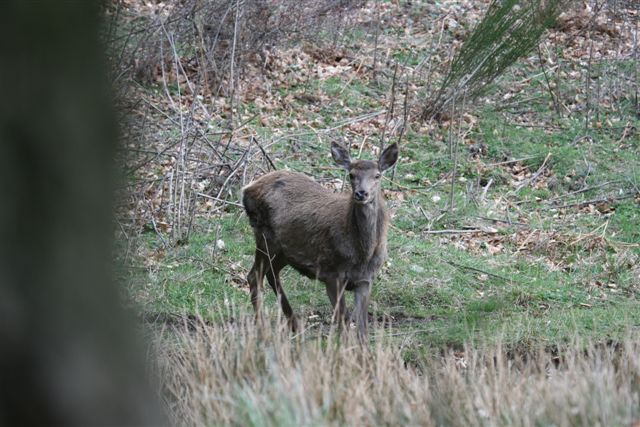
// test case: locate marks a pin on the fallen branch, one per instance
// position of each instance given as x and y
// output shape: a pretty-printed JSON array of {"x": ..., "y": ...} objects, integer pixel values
[
  {"x": 506, "y": 221},
  {"x": 477, "y": 270},
  {"x": 531, "y": 180},
  {"x": 512, "y": 161},
  {"x": 583, "y": 190},
  {"x": 485, "y": 189},
  {"x": 596, "y": 201},
  {"x": 463, "y": 231},
  {"x": 572, "y": 193}
]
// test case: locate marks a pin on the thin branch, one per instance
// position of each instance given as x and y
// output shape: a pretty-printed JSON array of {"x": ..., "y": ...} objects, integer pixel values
[
  {"x": 533, "y": 178},
  {"x": 391, "y": 108},
  {"x": 477, "y": 270},
  {"x": 508, "y": 162},
  {"x": 583, "y": 190},
  {"x": 217, "y": 199},
  {"x": 505, "y": 221},
  {"x": 232, "y": 64},
  {"x": 595, "y": 201},
  {"x": 463, "y": 231},
  {"x": 375, "y": 46},
  {"x": 554, "y": 98},
  {"x": 264, "y": 153}
]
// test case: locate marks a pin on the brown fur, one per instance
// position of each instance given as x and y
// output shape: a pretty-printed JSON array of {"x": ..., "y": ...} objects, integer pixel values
[{"x": 331, "y": 237}]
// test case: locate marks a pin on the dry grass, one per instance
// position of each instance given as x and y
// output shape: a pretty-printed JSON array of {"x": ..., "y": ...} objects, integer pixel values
[{"x": 238, "y": 374}]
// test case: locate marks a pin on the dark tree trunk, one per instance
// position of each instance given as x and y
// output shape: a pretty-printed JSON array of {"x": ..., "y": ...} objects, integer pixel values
[{"x": 67, "y": 355}]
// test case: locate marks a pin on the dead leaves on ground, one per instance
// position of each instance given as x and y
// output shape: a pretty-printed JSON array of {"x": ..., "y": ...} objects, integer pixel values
[{"x": 557, "y": 250}]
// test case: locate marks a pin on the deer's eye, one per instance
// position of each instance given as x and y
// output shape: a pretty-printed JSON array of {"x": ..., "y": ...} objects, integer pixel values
[
  {"x": 351, "y": 175},
  {"x": 378, "y": 176}
]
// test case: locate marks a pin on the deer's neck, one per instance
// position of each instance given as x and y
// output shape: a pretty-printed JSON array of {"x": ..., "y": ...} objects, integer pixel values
[{"x": 366, "y": 223}]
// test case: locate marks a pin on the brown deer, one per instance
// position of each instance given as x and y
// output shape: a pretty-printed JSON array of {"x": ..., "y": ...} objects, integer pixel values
[{"x": 338, "y": 239}]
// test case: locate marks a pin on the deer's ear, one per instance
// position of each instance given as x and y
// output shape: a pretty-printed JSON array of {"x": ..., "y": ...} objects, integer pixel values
[
  {"x": 340, "y": 155},
  {"x": 388, "y": 157}
]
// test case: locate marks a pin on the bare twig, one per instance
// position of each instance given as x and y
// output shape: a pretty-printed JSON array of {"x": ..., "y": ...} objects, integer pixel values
[
  {"x": 405, "y": 118},
  {"x": 340, "y": 125},
  {"x": 428, "y": 89},
  {"x": 453, "y": 145},
  {"x": 554, "y": 99},
  {"x": 264, "y": 153},
  {"x": 234, "y": 170},
  {"x": 375, "y": 45},
  {"x": 635, "y": 62},
  {"x": 155, "y": 226},
  {"x": 391, "y": 108},
  {"x": 517, "y": 102},
  {"x": 232, "y": 70},
  {"x": 588, "y": 86}
]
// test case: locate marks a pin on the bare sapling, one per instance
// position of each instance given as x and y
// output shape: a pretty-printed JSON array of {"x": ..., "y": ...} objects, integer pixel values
[{"x": 337, "y": 238}]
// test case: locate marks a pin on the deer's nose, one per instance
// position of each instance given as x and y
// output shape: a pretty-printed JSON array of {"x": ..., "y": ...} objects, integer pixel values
[{"x": 360, "y": 195}]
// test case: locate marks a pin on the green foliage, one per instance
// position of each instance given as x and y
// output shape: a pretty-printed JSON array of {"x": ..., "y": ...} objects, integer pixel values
[{"x": 508, "y": 31}]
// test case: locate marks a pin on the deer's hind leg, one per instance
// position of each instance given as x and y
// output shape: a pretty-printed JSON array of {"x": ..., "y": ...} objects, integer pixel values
[
  {"x": 276, "y": 264},
  {"x": 255, "y": 279}
]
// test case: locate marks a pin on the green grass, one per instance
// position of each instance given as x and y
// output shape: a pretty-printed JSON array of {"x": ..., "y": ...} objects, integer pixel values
[{"x": 438, "y": 289}]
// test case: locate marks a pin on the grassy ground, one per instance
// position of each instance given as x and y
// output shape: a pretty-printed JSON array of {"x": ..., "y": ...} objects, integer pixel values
[
  {"x": 511, "y": 220},
  {"x": 549, "y": 257}
]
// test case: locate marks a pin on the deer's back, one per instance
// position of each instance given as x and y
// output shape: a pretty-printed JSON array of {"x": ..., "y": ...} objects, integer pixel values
[
  {"x": 299, "y": 218},
  {"x": 282, "y": 197}
]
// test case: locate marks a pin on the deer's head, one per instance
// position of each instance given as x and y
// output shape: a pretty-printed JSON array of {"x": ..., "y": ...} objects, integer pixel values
[{"x": 364, "y": 175}]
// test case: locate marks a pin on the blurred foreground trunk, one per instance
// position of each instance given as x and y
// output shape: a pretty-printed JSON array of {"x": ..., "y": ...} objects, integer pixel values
[{"x": 67, "y": 352}]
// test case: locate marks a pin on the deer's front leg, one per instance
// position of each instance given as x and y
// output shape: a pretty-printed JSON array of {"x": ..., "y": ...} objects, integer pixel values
[
  {"x": 361, "y": 306},
  {"x": 335, "y": 291}
]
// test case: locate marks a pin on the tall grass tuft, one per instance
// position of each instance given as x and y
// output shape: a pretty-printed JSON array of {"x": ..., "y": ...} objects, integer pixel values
[{"x": 238, "y": 374}]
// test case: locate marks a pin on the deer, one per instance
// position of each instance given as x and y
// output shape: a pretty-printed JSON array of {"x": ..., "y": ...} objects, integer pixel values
[{"x": 336, "y": 238}]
